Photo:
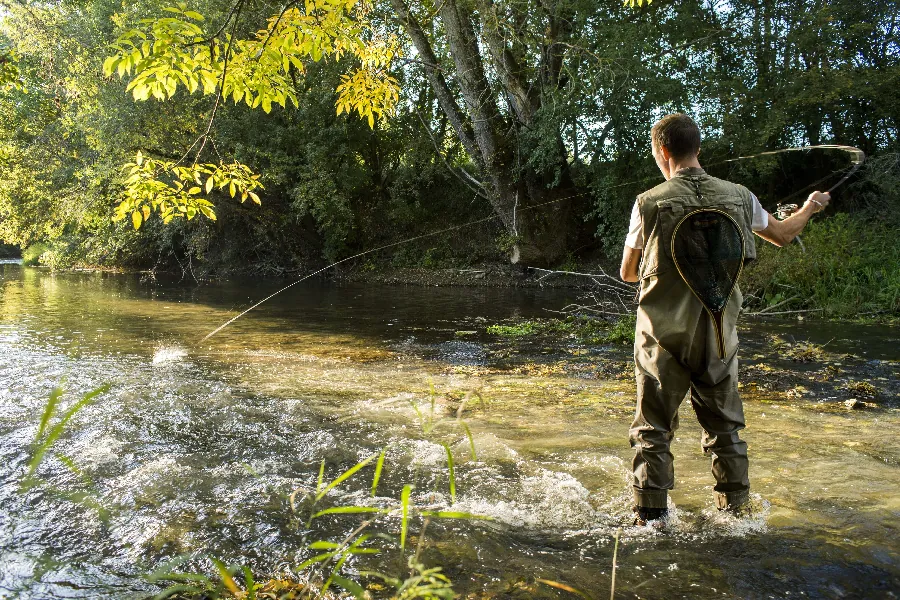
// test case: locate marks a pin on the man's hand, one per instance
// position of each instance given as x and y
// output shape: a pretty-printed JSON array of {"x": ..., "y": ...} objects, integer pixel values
[
  {"x": 819, "y": 199},
  {"x": 783, "y": 232}
]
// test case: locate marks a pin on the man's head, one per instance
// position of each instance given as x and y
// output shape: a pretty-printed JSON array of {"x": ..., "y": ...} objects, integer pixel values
[{"x": 675, "y": 137}]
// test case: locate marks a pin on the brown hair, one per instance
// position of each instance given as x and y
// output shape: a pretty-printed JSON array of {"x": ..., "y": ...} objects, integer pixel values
[{"x": 679, "y": 134}]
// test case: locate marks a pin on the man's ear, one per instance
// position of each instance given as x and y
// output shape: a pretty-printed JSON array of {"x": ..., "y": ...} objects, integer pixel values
[{"x": 665, "y": 153}]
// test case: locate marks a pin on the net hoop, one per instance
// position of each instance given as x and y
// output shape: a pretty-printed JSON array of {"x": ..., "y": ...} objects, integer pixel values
[{"x": 715, "y": 316}]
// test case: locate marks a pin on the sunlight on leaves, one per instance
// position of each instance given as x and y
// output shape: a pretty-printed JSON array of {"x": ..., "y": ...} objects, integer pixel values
[{"x": 174, "y": 191}]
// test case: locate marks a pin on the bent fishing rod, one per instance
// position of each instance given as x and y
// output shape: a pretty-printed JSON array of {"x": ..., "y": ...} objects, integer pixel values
[{"x": 857, "y": 159}]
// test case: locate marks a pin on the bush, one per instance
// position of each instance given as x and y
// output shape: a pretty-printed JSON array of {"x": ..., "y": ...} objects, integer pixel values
[
  {"x": 31, "y": 256},
  {"x": 851, "y": 267}
]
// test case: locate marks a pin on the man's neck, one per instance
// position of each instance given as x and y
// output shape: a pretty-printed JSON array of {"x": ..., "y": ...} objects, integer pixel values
[{"x": 689, "y": 163}]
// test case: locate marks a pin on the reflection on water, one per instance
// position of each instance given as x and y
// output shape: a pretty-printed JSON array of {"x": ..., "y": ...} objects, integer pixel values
[{"x": 198, "y": 444}]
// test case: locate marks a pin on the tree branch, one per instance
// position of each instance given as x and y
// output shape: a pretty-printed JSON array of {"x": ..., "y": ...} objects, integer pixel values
[{"x": 436, "y": 79}]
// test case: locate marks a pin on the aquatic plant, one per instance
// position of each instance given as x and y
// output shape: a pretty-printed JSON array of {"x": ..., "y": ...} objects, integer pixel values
[
  {"x": 317, "y": 575},
  {"x": 53, "y": 424},
  {"x": 584, "y": 329}
]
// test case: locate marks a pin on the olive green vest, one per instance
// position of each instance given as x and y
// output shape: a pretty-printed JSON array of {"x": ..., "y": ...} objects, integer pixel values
[{"x": 668, "y": 312}]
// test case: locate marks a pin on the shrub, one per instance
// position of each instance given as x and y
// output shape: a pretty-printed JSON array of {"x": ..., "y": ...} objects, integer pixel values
[
  {"x": 31, "y": 256},
  {"x": 851, "y": 267}
]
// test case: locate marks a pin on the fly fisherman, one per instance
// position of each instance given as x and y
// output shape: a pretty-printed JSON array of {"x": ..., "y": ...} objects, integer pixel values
[{"x": 679, "y": 347}]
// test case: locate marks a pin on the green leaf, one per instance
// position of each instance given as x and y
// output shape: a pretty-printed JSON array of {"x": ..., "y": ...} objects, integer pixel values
[
  {"x": 315, "y": 559},
  {"x": 227, "y": 579},
  {"x": 109, "y": 65},
  {"x": 443, "y": 514},
  {"x": 379, "y": 465},
  {"x": 55, "y": 395},
  {"x": 324, "y": 545},
  {"x": 344, "y": 476},
  {"x": 404, "y": 519},
  {"x": 471, "y": 440},
  {"x": 452, "y": 473},
  {"x": 351, "y": 586},
  {"x": 344, "y": 510},
  {"x": 321, "y": 476}
]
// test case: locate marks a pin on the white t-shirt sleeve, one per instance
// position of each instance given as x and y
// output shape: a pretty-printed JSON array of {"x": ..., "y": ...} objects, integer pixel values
[
  {"x": 760, "y": 218},
  {"x": 635, "y": 237}
]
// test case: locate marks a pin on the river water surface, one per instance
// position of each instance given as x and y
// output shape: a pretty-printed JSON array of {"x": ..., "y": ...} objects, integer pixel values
[{"x": 197, "y": 447}]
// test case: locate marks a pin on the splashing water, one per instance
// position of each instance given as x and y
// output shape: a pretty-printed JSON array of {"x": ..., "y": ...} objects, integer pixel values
[{"x": 168, "y": 354}]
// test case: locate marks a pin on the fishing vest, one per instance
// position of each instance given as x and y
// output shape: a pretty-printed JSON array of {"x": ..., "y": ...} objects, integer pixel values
[
  {"x": 668, "y": 312},
  {"x": 663, "y": 207}
]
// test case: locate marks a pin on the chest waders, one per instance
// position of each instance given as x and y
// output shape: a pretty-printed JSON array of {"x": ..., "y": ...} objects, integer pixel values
[{"x": 697, "y": 236}]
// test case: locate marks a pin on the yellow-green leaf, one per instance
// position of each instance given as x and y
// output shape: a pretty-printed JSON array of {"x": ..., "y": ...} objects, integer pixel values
[
  {"x": 209, "y": 184},
  {"x": 109, "y": 65},
  {"x": 137, "y": 219}
]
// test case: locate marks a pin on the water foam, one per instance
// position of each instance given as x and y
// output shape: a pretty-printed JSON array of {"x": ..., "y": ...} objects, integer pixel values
[{"x": 167, "y": 354}]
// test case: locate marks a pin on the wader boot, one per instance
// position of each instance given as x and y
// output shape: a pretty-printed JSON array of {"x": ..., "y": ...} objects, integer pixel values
[{"x": 677, "y": 347}]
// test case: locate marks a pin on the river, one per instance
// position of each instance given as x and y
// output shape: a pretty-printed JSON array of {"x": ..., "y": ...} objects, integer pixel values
[{"x": 198, "y": 445}]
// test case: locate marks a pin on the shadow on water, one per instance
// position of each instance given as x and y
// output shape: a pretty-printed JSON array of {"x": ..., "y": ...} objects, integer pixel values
[{"x": 198, "y": 444}]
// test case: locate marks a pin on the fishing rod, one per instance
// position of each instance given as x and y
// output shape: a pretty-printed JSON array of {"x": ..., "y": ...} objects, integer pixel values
[{"x": 858, "y": 157}]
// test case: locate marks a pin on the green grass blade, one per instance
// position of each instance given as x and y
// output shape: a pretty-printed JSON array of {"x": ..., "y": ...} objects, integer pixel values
[
  {"x": 166, "y": 572},
  {"x": 227, "y": 579},
  {"x": 452, "y": 473},
  {"x": 73, "y": 468},
  {"x": 349, "y": 585},
  {"x": 250, "y": 584},
  {"x": 187, "y": 590},
  {"x": 52, "y": 401},
  {"x": 321, "y": 476},
  {"x": 58, "y": 429},
  {"x": 378, "y": 466},
  {"x": 345, "y": 554},
  {"x": 446, "y": 514},
  {"x": 344, "y": 476},
  {"x": 316, "y": 559},
  {"x": 324, "y": 545},
  {"x": 468, "y": 431},
  {"x": 404, "y": 519},
  {"x": 345, "y": 510}
]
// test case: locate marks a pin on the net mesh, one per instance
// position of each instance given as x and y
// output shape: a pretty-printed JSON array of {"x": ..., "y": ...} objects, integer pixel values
[{"x": 708, "y": 249}]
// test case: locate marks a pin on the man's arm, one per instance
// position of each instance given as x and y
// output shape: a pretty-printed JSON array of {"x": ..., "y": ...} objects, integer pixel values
[
  {"x": 631, "y": 262},
  {"x": 783, "y": 232}
]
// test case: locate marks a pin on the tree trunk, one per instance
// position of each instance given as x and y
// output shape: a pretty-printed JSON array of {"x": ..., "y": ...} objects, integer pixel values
[{"x": 538, "y": 217}]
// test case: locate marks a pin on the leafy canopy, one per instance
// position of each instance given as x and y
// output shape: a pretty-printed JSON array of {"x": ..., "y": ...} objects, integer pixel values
[{"x": 172, "y": 52}]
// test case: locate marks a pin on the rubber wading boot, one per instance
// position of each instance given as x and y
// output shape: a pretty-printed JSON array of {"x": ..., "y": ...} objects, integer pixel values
[{"x": 644, "y": 514}]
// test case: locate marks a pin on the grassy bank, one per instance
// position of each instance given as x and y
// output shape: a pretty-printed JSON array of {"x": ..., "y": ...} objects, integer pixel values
[{"x": 850, "y": 269}]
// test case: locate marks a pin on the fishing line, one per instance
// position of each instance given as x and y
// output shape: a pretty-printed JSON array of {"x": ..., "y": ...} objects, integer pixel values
[{"x": 856, "y": 162}]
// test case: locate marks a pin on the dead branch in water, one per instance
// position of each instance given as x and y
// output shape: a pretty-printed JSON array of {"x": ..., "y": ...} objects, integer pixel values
[{"x": 610, "y": 298}]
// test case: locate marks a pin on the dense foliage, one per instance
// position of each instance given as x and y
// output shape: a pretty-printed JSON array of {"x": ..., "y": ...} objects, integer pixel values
[{"x": 536, "y": 113}]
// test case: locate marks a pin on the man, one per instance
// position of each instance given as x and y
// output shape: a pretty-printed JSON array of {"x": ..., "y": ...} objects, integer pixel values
[{"x": 677, "y": 347}]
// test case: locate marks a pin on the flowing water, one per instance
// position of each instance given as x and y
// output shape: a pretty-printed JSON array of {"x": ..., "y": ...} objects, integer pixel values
[{"x": 197, "y": 447}]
